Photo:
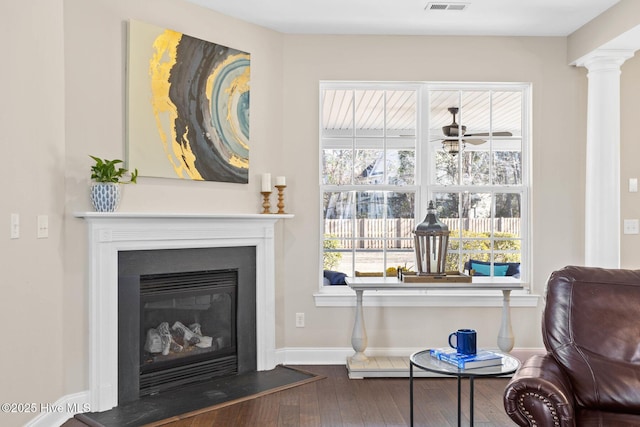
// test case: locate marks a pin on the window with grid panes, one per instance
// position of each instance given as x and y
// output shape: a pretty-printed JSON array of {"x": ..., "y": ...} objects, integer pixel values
[
  {"x": 384, "y": 154},
  {"x": 479, "y": 178}
]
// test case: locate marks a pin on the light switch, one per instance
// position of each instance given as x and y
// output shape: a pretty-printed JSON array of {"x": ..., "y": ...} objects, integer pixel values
[
  {"x": 631, "y": 226},
  {"x": 633, "y": 185},
  {"x": 43, "y": 226},
  {"x": 15, "y": 226}
]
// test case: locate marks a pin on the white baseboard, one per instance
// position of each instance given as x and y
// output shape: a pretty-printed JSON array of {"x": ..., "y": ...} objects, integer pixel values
[
  {"x": 68, "y": 406},
  {"x": 55, "y": 414}
]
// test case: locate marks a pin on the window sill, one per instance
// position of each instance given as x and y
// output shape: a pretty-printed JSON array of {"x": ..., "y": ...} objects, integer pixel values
[{"x": 344, "y": 296}]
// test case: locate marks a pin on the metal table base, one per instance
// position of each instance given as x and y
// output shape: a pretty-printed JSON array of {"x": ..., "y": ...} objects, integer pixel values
[{"x": 509, "y": 366}]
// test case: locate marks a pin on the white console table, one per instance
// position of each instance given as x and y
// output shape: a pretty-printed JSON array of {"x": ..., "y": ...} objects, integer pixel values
[{"x": 361, "y": 284}]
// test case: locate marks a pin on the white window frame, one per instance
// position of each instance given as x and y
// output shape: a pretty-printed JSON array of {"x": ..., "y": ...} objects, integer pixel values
[
  {"x": 343, "y": 295},
  {"x": 390, "y": 142},
  {"x": 429, "y": 186}
]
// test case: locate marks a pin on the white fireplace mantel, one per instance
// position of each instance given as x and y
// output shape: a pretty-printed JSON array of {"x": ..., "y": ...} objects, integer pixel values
[{"x": 109, "y": 233}]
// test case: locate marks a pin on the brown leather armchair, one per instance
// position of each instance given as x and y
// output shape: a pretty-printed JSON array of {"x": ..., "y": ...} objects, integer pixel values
[{"x": 590, "y": 375}]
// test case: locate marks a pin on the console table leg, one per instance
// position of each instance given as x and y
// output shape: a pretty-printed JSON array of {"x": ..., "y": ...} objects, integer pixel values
[
  {"x": 505, "y": 336},
  {"x": 359, "y": 334}
]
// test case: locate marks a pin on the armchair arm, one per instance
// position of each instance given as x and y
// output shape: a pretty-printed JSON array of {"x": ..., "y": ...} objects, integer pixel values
[{"x": 540, "y": 394}]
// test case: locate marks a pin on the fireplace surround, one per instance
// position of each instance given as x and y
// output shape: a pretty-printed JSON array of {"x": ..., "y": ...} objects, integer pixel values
[
  {"x": 184, "y": 316},
  {"x": 112, "y": 233}
]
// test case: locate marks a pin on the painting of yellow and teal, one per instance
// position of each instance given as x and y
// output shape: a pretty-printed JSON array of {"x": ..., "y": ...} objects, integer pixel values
[{"x": 188, "y": 106}]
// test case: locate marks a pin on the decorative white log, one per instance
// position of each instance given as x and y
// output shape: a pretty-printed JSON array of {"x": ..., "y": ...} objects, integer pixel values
[
  {"x": 193, "y": 335},
  {"x": 205, "y": 342},
  {"x": 165, "y": 334},
  {"x": 175, "y": 347},
  {"x": 196, "y": 328},
  {"x": 153, "y": 343}
]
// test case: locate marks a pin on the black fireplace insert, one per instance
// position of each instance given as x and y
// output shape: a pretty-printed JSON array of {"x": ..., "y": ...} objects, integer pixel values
[{"x": 185, "y": 316}]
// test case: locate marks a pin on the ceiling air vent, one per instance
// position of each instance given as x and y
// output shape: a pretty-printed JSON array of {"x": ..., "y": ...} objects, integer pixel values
[{"x": 446, "y": 6}]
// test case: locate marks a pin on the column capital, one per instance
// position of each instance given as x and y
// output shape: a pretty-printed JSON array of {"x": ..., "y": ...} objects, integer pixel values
[{"x": 605, "y": 59}]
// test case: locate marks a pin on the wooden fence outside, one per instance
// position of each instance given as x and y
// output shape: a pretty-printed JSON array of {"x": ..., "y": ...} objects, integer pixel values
[{"x": 399, "y": 231}]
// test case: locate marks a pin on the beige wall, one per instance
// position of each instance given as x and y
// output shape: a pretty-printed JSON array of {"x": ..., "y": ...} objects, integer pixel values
[
  {"x": 620, "y": 18},
  {"x": 65, "y": 99},
  {"x": 630, "y": 159},
  {"x": 33, "y": 142}
]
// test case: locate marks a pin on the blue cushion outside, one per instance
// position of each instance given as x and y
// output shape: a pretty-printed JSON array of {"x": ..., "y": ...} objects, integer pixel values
[
  {"x": 485, "y": 269},
  {"x": 513, "y": 268},
  {"x": 335, "y": 277}
]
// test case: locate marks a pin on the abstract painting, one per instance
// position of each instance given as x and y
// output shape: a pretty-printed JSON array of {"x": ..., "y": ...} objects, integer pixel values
[{"x": 188, "y": 106}]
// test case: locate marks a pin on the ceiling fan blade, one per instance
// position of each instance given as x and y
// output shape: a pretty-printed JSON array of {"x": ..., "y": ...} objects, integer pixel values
[
  {"x": 503, "y": 133},
  {"x": 475, "y": 141},
  {"x": 453, "y": 131}
]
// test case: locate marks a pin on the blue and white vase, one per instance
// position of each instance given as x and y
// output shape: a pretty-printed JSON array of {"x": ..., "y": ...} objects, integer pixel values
[{"x": 105, "y": 196}]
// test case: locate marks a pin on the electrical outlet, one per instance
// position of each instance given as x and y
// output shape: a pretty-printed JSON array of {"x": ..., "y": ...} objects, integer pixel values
[{"x": 299, "y": 320}]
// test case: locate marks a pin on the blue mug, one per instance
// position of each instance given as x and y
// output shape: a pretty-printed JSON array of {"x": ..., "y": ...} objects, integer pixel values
[{"x": 465, "y": 341}]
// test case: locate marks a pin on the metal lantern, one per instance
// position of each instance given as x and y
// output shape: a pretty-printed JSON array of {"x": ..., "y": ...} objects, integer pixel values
[{"x": 431, "y": 239}]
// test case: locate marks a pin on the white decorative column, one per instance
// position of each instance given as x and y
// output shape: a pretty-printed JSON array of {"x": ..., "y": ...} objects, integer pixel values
[{"x": 602, "y": 198}]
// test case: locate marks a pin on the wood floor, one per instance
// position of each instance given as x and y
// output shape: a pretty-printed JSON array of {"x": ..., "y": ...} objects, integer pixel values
[{"x": 375, "y": 402}]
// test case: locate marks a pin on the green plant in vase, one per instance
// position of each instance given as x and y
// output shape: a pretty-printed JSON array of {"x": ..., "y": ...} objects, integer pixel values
[
  {"x": 107, "y": 177},
  {"x": 108, "y": 171}
]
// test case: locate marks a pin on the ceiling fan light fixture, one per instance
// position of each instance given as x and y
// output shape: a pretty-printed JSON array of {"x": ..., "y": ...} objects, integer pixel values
[{"x": 453, "y": 147}]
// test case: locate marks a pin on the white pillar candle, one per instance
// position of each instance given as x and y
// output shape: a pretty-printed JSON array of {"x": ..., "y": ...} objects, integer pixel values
[
  {"x": 266, "y": 182},
  {"x": 280, "y": 180}
]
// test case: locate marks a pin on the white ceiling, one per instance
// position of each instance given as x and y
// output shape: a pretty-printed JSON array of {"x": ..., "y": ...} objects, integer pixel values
[{"x": 413, "y": 17}]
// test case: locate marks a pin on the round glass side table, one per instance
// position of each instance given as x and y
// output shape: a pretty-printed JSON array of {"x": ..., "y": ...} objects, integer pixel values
[{"x": 424, "y": 360}]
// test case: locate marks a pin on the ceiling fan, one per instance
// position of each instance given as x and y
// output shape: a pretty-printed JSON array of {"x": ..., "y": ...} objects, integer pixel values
[{"x": 452, "y": 144}]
